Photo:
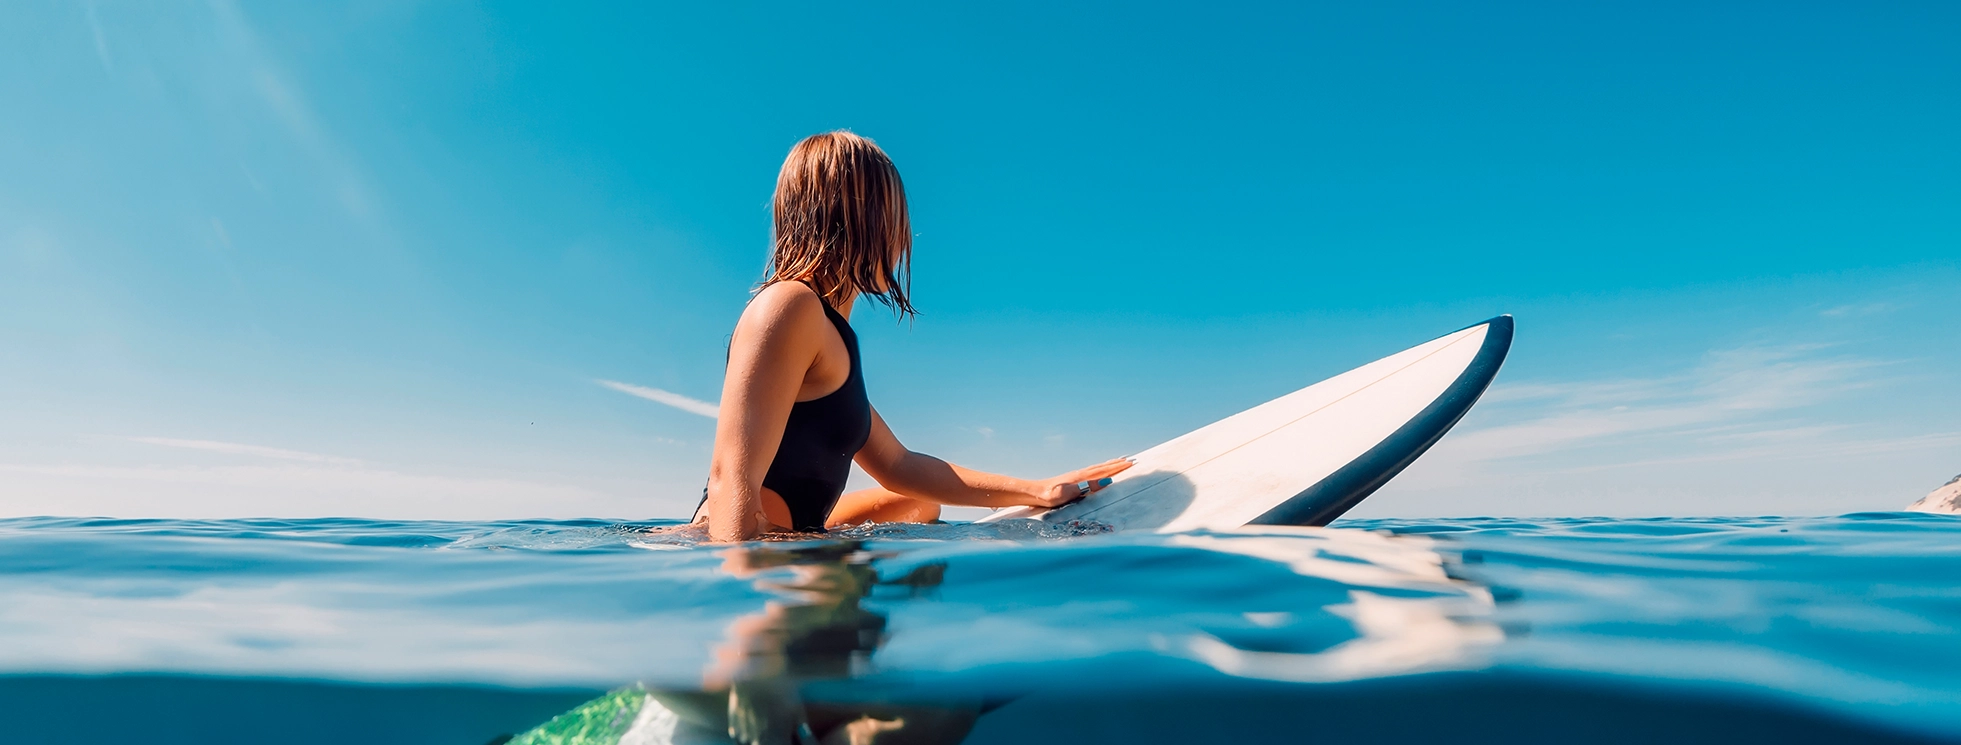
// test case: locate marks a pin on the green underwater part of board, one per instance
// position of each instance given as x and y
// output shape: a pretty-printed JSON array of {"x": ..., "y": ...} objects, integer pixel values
[{"x": 601, "y": 721}]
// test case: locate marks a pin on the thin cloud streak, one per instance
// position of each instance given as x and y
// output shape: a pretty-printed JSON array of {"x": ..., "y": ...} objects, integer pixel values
[
  {"x": 1867, "y": 309},
  {"x": 1777, "y": 427},
  {"x": 289, "y": 105},
  {"x": 1734, "y": 389},
  {"x": 233, "y": 448},
  {"x": 101, "y": 42},
  {"x": 1850, "y": 447},
  {"x": 665, "y": 398},
  {"x": 1739, "y": 405},
  {"x": 295, "y": 490}
]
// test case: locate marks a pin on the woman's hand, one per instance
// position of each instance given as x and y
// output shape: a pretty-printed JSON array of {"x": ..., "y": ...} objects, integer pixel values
[{"x": 1055, "y": 492}]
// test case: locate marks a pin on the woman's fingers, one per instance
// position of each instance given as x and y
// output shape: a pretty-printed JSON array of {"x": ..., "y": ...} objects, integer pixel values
[
  {"x": 1077, "y": 484},
  {"x": 1083, "y": 482},
  {"x": 1113, "y": 468},
  {"x": 1098, "y": 475},
  {"x": 1099, "y": 470}
]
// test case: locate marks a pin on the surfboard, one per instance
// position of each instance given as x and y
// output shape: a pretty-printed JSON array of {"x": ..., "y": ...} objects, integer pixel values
[{"x": 1306, "y": 457}]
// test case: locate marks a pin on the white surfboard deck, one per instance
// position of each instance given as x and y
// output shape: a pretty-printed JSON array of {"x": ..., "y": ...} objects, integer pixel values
[{"x": 1303, "y": 458}]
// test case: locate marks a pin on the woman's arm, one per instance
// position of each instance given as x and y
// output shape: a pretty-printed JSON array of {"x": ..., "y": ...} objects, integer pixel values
[
  {"x": 922, "y": 476},
  {"x": 773, "y": 348}
]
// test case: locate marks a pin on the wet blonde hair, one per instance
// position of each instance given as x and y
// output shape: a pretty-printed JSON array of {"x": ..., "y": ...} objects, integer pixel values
[{"x": 840, "y": 222}]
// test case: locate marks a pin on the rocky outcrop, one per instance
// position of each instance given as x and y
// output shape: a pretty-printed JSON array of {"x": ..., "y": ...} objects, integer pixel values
[{"x": 1946, "y": 499}]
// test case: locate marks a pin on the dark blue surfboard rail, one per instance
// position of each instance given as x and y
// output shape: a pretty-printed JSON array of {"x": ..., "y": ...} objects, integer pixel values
[{"x": 1327, "y": 499}]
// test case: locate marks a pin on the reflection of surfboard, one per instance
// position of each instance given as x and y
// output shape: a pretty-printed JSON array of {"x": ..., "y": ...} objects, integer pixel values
[
  {"x": 629, "y": 716},
  {"x": 1308, "y": 456}
]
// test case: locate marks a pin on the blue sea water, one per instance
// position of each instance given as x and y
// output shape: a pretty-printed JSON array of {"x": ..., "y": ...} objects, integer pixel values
[{"x": 1840, "y": 629}]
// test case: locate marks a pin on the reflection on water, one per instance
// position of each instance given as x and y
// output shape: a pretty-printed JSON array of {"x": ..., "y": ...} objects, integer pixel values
[
  {"x": 318, "y": 632},
  {"x": 1396, "y": 634},
  {"x": 785, "y": 673},
  {"x": 752, "y": 691}
]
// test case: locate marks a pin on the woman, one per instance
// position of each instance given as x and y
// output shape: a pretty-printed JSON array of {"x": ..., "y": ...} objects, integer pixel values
[{"x": 794, "y": 413}]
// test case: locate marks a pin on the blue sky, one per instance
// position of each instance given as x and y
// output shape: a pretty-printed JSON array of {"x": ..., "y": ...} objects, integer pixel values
[{"x": 447, "y": 260}]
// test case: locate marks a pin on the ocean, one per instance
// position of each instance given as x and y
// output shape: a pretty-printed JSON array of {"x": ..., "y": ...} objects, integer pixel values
[{"x": 1731, "y": 630}]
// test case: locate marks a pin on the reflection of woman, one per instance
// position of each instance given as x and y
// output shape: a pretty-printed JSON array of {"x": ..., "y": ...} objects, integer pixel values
[
  {"x": 794, "y": 414},
  {"x": 820, "y": 630}
]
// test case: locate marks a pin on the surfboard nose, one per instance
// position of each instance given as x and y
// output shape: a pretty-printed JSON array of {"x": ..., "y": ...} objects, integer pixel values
[
  {"x": 1502, "y": 328},
  {"x": 1497, "y": 334}
]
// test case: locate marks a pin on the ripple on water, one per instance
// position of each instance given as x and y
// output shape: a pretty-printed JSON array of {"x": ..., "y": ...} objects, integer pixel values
[{"x": 1821, "y": 628}]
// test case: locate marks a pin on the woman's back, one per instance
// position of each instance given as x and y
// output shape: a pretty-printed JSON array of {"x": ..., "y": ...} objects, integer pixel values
[{"x": 820, "y": 438}]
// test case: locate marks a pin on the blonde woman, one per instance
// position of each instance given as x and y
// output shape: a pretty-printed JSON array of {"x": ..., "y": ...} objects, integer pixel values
[{"x": 794, "y": 413}]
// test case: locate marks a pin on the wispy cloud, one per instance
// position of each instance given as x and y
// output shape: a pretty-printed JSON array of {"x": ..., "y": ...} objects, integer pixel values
[
  {"x": 1725, "y": 403},
  {"x": 1865, "y": 309},
  {"x": 665, "y": 398},
  {"x": 288, "y": 103},
  {"x": 261, "y": 481},
  {"x": 101, "y": 42},
  {"x": 1777, "y": 428},
  {"x": 1742, "y": 410},
  {"x": 301, "y": 489},
  {"x": 1810, "y": 446},
  {"x": 256, "y": 451}
]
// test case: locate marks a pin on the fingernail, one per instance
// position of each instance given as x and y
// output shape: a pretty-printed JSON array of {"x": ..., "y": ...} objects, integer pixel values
[{"x": 1102, "y": 482}]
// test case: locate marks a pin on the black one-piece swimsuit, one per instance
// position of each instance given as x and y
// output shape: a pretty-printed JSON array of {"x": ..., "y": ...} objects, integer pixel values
[{"x": 819, "y": 441}]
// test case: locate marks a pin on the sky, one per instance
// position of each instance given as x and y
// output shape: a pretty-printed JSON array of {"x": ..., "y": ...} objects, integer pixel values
[{"x": 480, "y": 260}]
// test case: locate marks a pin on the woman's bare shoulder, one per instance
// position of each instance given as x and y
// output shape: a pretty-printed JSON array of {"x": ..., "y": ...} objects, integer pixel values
[{"x": 782, "y": 306}]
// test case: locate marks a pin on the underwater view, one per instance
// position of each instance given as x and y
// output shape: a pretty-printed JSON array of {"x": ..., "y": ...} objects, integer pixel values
[{"x": 1840, "y": 629}]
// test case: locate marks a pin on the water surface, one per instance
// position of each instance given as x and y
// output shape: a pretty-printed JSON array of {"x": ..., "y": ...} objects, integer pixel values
[{"x": 1470, "y": 630}]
